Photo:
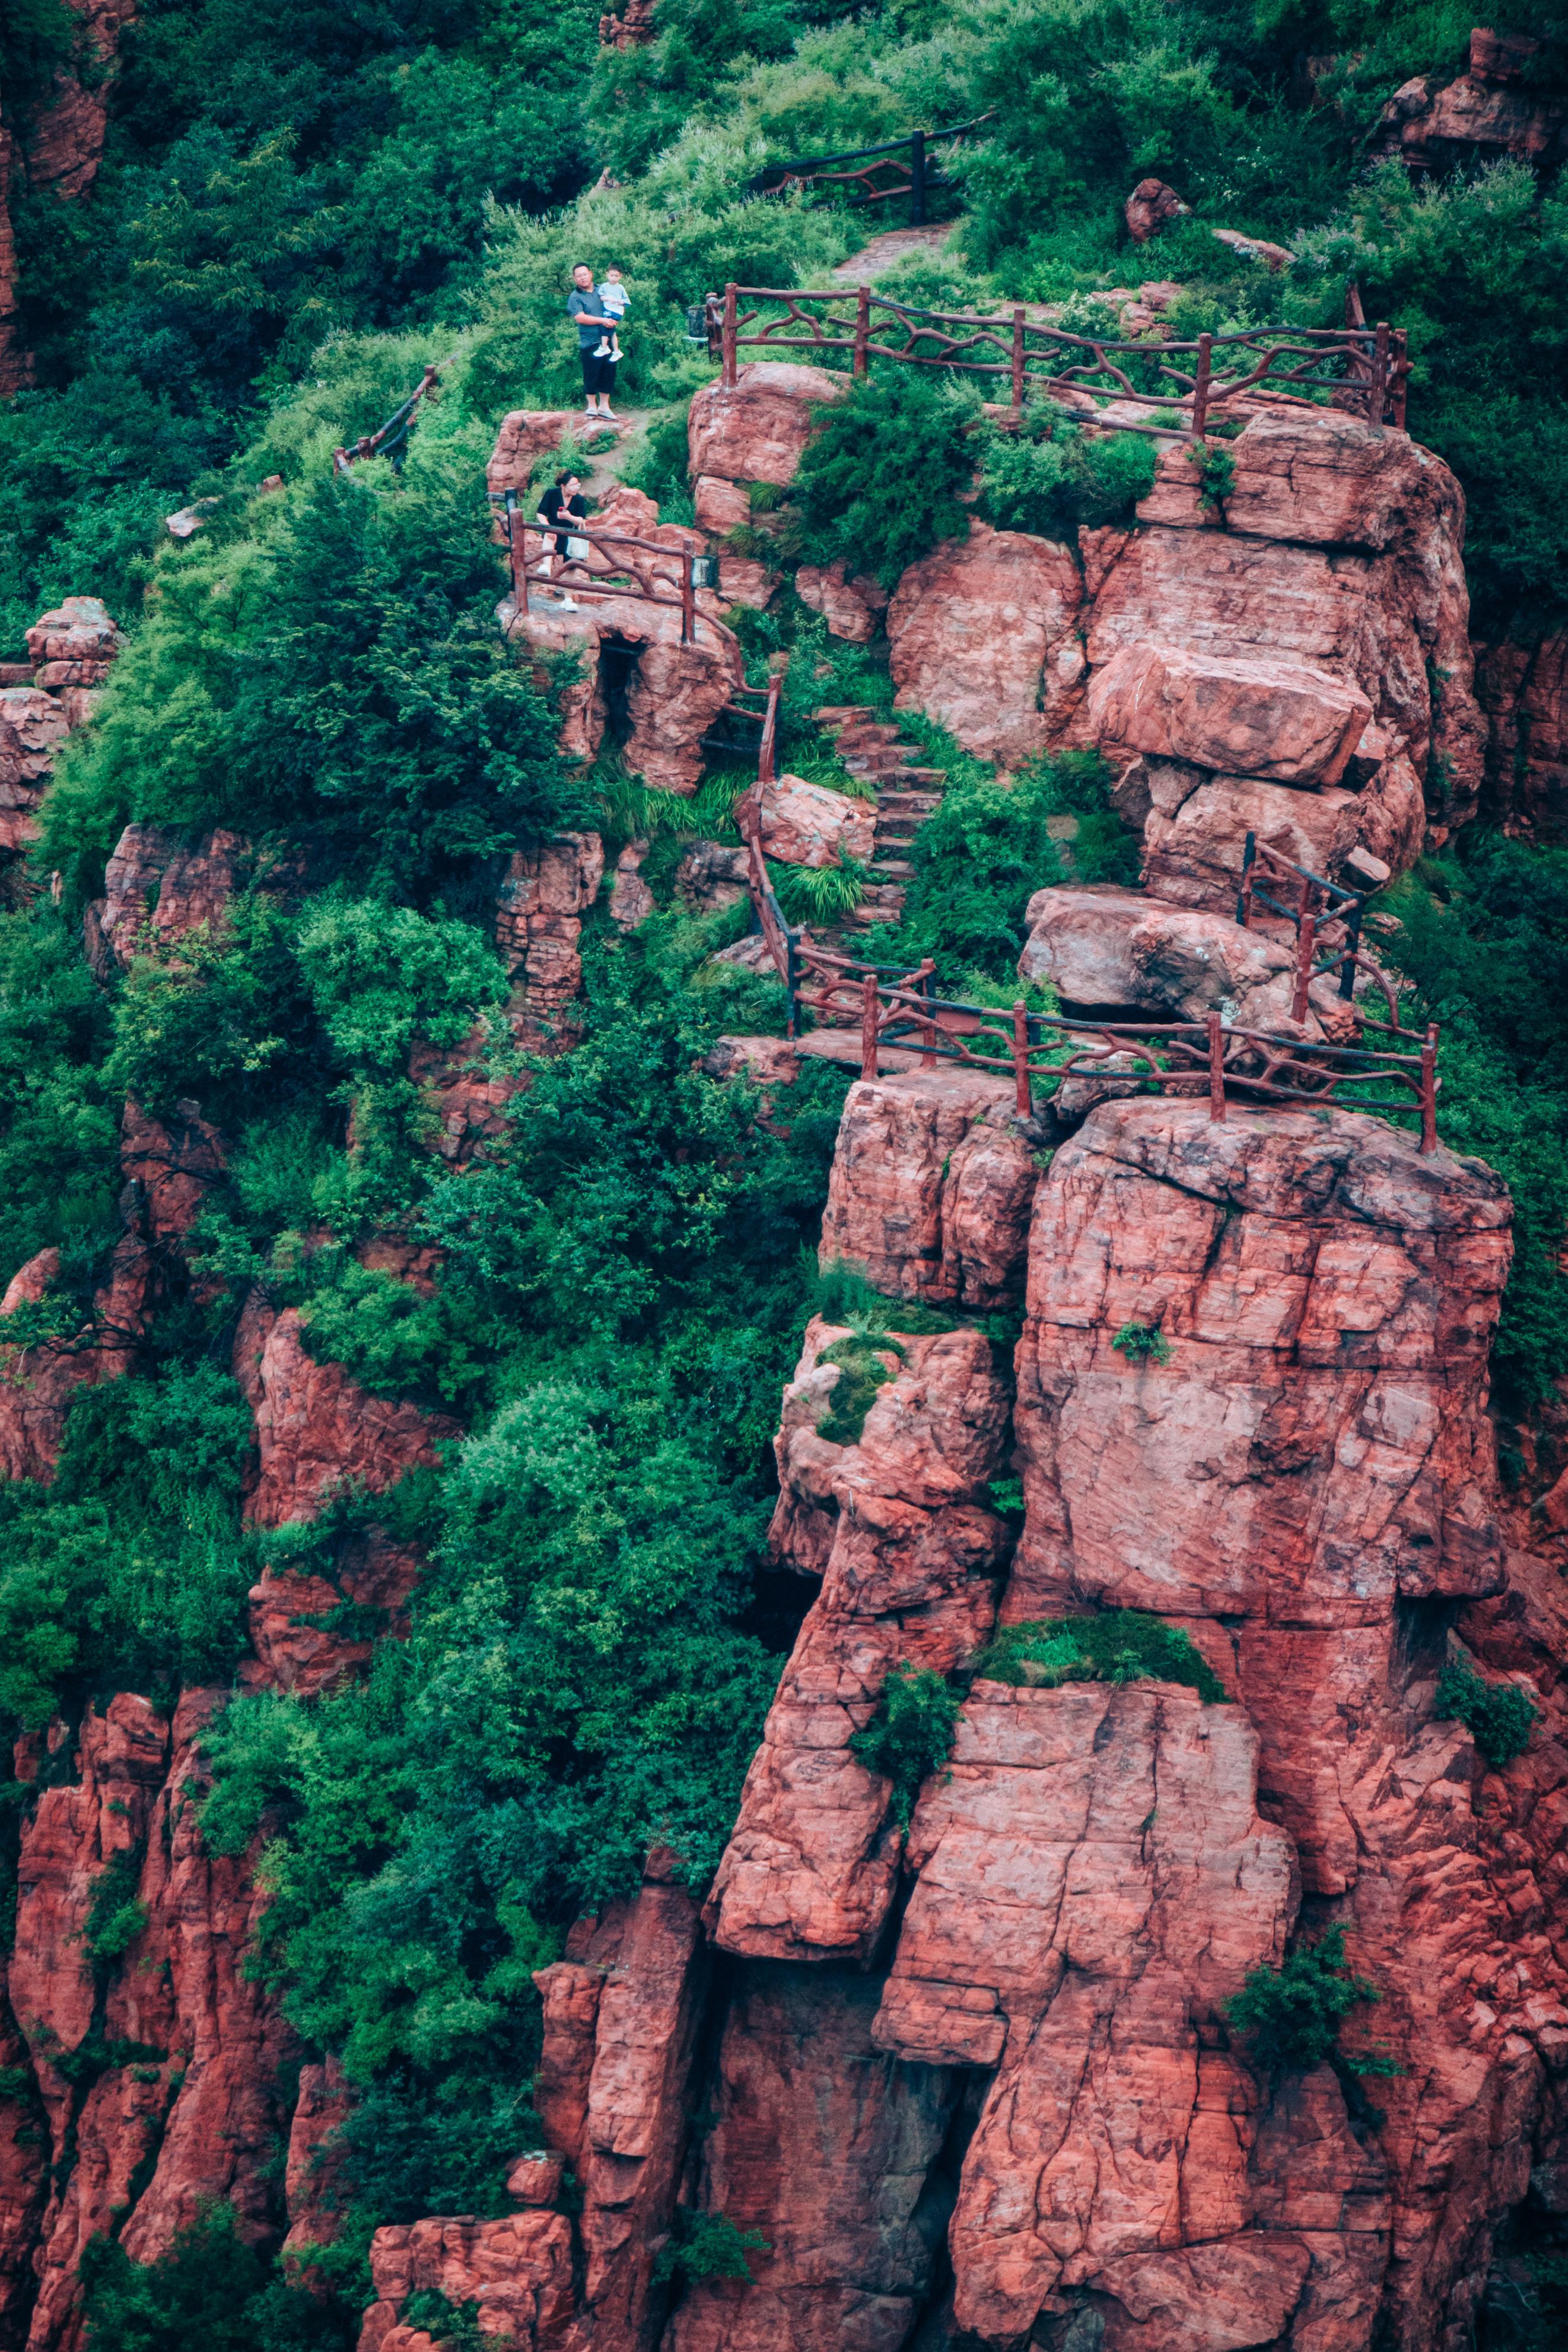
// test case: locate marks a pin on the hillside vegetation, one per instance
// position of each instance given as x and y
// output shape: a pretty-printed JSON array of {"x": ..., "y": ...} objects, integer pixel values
[{"x": 300, "y": 208}]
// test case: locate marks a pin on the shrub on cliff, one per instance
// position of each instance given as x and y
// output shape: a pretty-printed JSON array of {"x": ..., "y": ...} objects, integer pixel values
[
  {"x": 211, "y": 2289},
  {"x": 880, "y": 481},
  {"x": 910, "y": 1734},
  {"x": 1051, "y": 477},
  {"x": 1289, "y": 2017},
  {"x": 1499, "y": 1716},
  {"x": 1118, "y": 1645}
]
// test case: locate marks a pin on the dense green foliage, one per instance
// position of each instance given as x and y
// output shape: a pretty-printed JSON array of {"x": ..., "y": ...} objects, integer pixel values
[
  {"x": 1289, "y": 2017},
  {"x": 1483, "y": 941},
  {"x": 1118, "y": 1645},
  {"x": 1499, "y": 1715},
  {"x": 297, "y": 211},
  {"x": 910, "y": 1734},
  {"x": 708, "y": 2246}
]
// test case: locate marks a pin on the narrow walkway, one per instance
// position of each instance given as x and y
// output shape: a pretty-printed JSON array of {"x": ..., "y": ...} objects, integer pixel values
[
  {"x": 906, "y": 795},
  {"x": 886, "y": 251}
]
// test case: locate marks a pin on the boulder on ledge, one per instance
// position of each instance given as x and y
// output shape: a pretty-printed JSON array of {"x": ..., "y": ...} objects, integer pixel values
[
  {"x": 755, "y": 429},
  {"x": 1281, "y": 721},
  {"x": 808, "y": 824}
]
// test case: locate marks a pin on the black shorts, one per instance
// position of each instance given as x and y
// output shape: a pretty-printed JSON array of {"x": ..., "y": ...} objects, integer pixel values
[{"x": 598, "y": 375}]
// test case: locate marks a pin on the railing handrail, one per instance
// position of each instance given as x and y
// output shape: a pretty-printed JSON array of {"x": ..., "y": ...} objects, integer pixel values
[
  {"x": 853, "y": 154},
  {"x": 1205, "y": 1052},
  {"x": 1375, "y": 360},
  {"x": 643, "y": 586},
  {"x": 396, "y": 429}
]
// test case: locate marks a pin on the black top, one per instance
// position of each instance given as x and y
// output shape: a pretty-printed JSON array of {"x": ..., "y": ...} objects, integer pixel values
[{"x": 555, "y": 503}]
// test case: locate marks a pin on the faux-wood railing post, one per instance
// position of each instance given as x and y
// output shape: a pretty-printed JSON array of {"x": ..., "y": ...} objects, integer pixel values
[
  {"x": 1306, "y": 947},
  {"x": 862, "y": 326},
  {"x": 1216, "y": 1070},
  {"x": 1401, "y": 376},
  {"x": 1429, "y": 1089},
  {"x": 1023, "y": 1100},
  {"x": 729, "y": 332},
  {"x": 688, "y": 603},
  {"x": 870, "y": 1011},
  {"x": 1201, "y": 387},
  {"x": 1018, "y": 364},
  {"x": 514, "y": 555},
  {"x": 1244, "y": 895},
  {"x": 917, "y": 179},
  {"x": 1377, "y": 398},
  {"x": 923, "y": 980}
]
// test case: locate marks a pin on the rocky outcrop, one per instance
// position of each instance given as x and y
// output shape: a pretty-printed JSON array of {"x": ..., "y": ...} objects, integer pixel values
[
  {"x": 1280, "y": 722},
  {"x": 808, "y": 824},
  {"x": 1151, "y": 205},
  {"x": 156, "y": 890},
  {"x": 1483, "y": 116},
  {"x": 674, "y": 692},
  {"x": 897, "y": 1523},
  {"x": 75, "y": 645},
  {"x": 931, "y": 1186},
  {"x": 755, "y": 429},
  {"x": 1524, "y": 690},
  {"x": 526, "y": 435},
  {"x": 171, "y": 2093},
  {"x": 539, "y": 923},
  {"x": 984, "y": 638},
  {"x": 318, "y": 1431},
  {"x": 850, "y": 603},
  {"x": 32, "y": 728},
  {"x": 516, "y": 2270}
]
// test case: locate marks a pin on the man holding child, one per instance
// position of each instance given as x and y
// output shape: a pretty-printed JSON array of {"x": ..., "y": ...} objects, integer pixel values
[{"x": 596, "y": 313}]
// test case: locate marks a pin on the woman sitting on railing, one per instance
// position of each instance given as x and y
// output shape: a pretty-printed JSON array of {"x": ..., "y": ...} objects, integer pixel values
[{"x": 562, "y": 501}]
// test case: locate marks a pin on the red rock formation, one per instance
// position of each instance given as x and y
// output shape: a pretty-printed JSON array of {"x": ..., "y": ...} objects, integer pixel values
[
  {"x": 899, "y": 1526},
  {"x": 1151, "y": 205},
  {"x": 194, "y": 2115},
  {"x": 539, "y": 923},
  {"x": 930, "y": 1187},
  {"x": 822, "y": 2143},
  {"x": 15, "y": 360},
  {"x": 518, "y": 2270},
  {"x": 155, "y": 890},
  {"x": 1523, "y": 689},
  {"x": 984, "y": 636},
  {"x": 311, "y": 2185},
  {"x": 65, "y": 146},
  {"x": 852, "y": 606},
  {"x": 755, "y": 429},
  {"x": 1193, "y": 856},
  {"x": 635, "y": 30},
  {"x": 318, "y": 1431},
  {"x": 673, "y": 695},
  {"x": 807, "y": 825},
  {"x": 32, "y": 728},
  {"x": 75, "y": 645},
  {"x": 1280, "y": 722},
  {"x": 525, "y": 435},
  {"x": 1484, "y": 115}
]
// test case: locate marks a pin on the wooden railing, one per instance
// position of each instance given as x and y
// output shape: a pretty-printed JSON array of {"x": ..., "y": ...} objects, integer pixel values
[
  {"x": 1362, "y": 369},
  {"x": 1316, "y": 909},
  {"x": 895, "y": 1006},
  {"x": 914, "y": 168},
  {"x": 617, "y": 565},
  {"x": 391, "y": 440}
]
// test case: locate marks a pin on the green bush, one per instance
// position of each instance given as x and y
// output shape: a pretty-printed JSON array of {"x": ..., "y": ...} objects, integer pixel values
[
  {"x": 818, "y": 893},
  {"x": 1289, "y": 2017},
  {"x": 115, "y": 1917},
  {"x": 863, "y": 1370},
  {"x": 910, "y": 1734},
  {"x": 1142, "y": 1343},
  {"x": 1051, "y": 477},
  {"x": 879, "y": 479},
  {"x": 1499, "y": 1715},
  {"x": 1118, "y": 1645},
  {"x": 708, "y": 2246},
  {"x": 211, "y": 2288}
]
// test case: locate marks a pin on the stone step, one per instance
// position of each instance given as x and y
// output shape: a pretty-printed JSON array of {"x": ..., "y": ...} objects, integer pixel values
[
  {"x": 866, "y": 738},
  {"x": 900, "y": 804},
  {"x": 936, "y": 777},
  {"x": 841, "y": 713},
  {"x": 893, "y": 869}
]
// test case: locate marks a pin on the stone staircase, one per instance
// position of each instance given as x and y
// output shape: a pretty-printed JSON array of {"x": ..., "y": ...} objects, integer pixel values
[{"x": 906, "y": 795}]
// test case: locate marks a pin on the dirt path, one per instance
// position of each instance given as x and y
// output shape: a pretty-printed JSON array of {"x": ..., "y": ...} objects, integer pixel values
[{"x": 883, "y": 253}]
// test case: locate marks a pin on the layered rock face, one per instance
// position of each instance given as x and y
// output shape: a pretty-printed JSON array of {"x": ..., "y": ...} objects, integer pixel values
[
  {"x": 974, "y": 2083},
  {"x": 1523, "y": 689}
]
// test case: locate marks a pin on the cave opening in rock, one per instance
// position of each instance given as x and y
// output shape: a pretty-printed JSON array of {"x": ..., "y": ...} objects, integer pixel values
[{"x": 618, "y": 660}]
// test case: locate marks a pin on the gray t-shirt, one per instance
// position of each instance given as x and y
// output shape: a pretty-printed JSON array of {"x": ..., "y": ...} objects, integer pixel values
[{"x": 577, "y": 302}]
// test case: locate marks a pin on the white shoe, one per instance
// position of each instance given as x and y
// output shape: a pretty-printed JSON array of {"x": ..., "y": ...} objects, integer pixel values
[{"x": 569, "y": 604}]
